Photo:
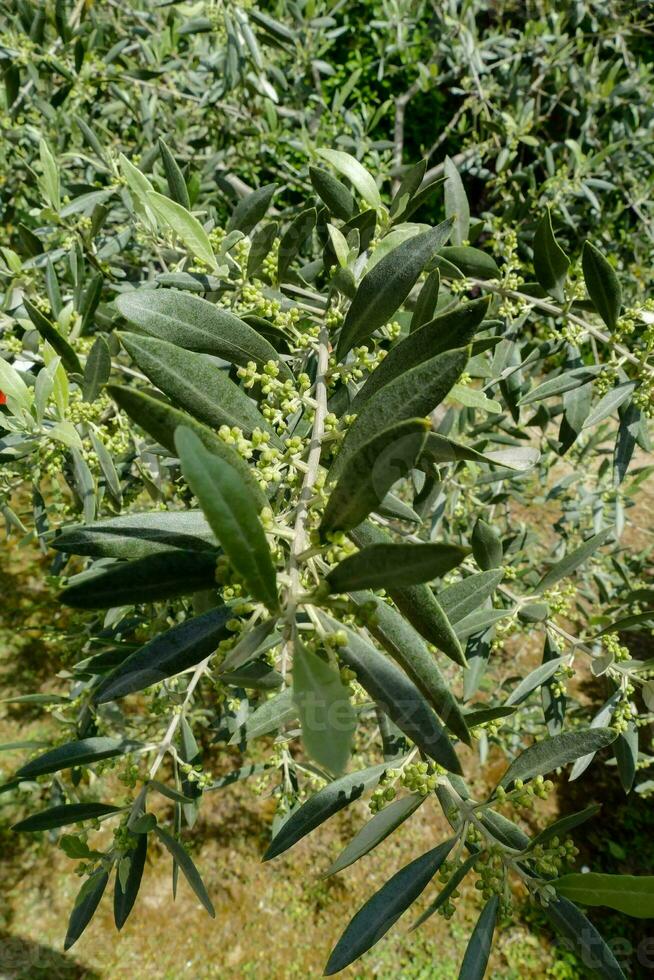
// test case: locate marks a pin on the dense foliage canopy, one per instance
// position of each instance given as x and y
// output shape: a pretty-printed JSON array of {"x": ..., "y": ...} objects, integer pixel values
[{"x": 326, "y": 378}]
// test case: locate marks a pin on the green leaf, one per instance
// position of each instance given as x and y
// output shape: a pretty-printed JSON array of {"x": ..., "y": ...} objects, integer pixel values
[
  {"x": 566, "y": 381},
  {"x": 232, "y": 513},
  {"x": 409, "y": 186},
  {"x": 185, "y": 226},
  {"x": 333, "y": 193},
  {"x": 80, "y": 753},
  {"x": 125, "y": 895},
  {"x": 96, "y": 370},
  {"x": 376, "y": 830},
  {"x": 382, "y": 291},
  {"x": 169, "y": 653},
  {"x": 625, "y": 749},
  {"x": 551, "y": 753},
  {"x": 196, "y": 325},
  {"x": 262, "y": 243},
  {"x": 414, "y": 394},
  {"x": 611, "y": 401},
  {"x": 61, "y": 816},
  {"x": 196, "y": 384},
  {"x": 584, "y": 939},
  {"x": 534, "y": 679},
  {"x": 382, "y": 566},
  {"x": 625, "y": 443},
  {"x": 294, "y": 238},
  {"x": 86, "y": 903},
  {"x": 370, "y": 473},
  {"x": 486, "y": 546},
  {"x": 137, "y": 535},
  {"x": 385, "y": 907},
  {"x": 407, "y": 648},
  {"x": 456, "y": 203},
  {"x": 574, "y": 559},
  {"x": 550, "y": 261},
  {"x": 397, "y": 696},
  {"x": 174, "y": 177},
  {"x": 417, "y": 603},
  {"x": 321, "y": 806},
  {"x": 631, "y": 894},
  {"x": 268, "y": 717},
  {"x": 326, "y": 715},
  {"x": 563, "y": 826},
  {"x": 50, "y": 176},
  {"x": 251, "y": 209},
  {"x": 149, "y": 579},
  {"x": 454, "y": 881},
  {"x": 445, "y": 332},
  {"x": 49, "y": 332},
  {"x": 478, "y": 949},
  {"x": 358, "y": 176},
  {"x": 459, "y": 261},
  {"x": 602, "y": 284},
  {"x": 466, "y": 596},
  {"x": 442, "y": 449},
  {"x": 425, "y": 306},
  {"x": 191, "y": 873},
  {"x": 473, "y": 398},
  {"x": 160, "y": 420}
]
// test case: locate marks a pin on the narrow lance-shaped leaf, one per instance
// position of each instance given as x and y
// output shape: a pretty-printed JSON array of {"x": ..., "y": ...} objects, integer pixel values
[
  {"x": 425, "y": 307},
  {"x": 572, "y": 561},
  {"x": 381, "y": 911},
  {"x": 167, "y": 654},
  {"x": 602, "y": 284},
  {"x": 456, "y": 203},
  {"x": 550, "y": 261},
  {"x": 232, "y": 513},
  {"x": 479, "y": 945},
  {"x": 294, "y": 238},
  {"x": 61, "y": 816},
  {"x": 185, "y": 226},
  {"x": 407, "y": 648},
  {"x": 157, "y": 576},
  {"x": 550, "y": 753},
  {"x": 196, "y": 325},
  {"x": 631, "y": 894},
  {"x": 57, "y": 341},
  {"x": 584, "y": 939},
  {"x": 160, "y": 420},
  {"x": 357, "y": 174},
  {"x": 191, "y": 873},
  {"x": 383, "y": 290},
  {"x": 250, "y": 210},
  {"x": 196, "y": 384},
  {"x": 79, "y": 753},
  {"x": 376, "y": 830},
  {"x": 450, "y": 330},
  {"x": 417, "y": 602},
  {"x": 561, "y": 827},
  {"x": 414, "y": 394},
  {"x": 174, "y": 177},
  {"x": 322, "y": 805},
  {"x": 333, "y": 193},
  {"x": 125, "y": 893},
  {"x": 326, "y": 715},
  {"x": 381, "y": 566},
  {"x": 396, "y": 695},
  {"x": 486, "y": 546},
  {"x": 370, "y": 473},
  {"x": 86, "y": 903},
  {"x": 137, "y": 535},
  {"x": 96, "y": 370}
]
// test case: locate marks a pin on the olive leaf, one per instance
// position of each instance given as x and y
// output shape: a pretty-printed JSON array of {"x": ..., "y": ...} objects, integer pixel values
[
  {"x": 326, "y": 715},
  {"x": 382, "y": 566},
  {"x": 602, "y": 284},
  {"x": 551, "y": 264}
]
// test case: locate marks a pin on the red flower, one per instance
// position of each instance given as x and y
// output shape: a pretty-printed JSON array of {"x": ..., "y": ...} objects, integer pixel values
[{"x": 3, "y": 398}]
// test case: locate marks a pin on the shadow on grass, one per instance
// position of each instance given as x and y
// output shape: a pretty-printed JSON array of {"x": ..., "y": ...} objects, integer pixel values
[{"x": 22, "y": 959}]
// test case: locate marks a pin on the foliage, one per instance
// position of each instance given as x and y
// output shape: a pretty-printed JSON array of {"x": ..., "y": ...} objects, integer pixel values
[{"x": 296, "y": 449}]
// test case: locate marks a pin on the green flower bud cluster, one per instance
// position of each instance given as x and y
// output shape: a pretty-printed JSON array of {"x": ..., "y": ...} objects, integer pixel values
[
  {"x": 550, "y": 858},
  {"x": 524, "y": 795},
  {"x": 269, "y": 264},
  {"x": 611, "y": 644},
  {"x": 559, "y": 599},
  {"x": 123, "y": 839},
  {"x": 559, "y": 682},
  {"x": 129, "y": 774},
  {"x": 385, "y": 791},
  {"x": 492, "y": 875},
  {"x": 625, "y": 712},
  {"x": 643, "y": 397},
  {"x": 606, "y": 379},
  {"x": 421, "y": 777}
]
